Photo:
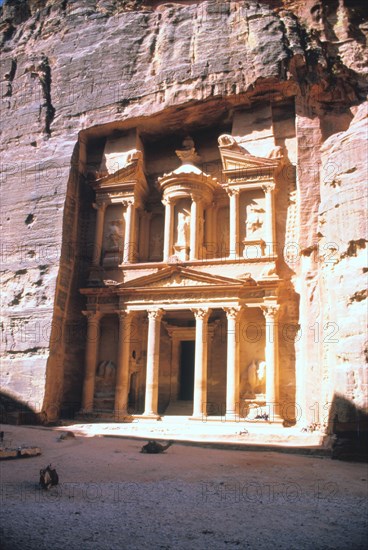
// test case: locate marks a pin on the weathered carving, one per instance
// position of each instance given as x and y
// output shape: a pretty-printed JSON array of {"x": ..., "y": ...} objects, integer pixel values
[
  {"x": 254, "y": 220},
  {"x": 115, "y": 236},
  {"x": 188, "y": 154},
  {"x": 155, "y": 314},
  {"x": 201, "y": 313},
  {"x": 183, "y": 229},
  {"x": 254, "y": 379},
  {"x": 105, "y": 379}
]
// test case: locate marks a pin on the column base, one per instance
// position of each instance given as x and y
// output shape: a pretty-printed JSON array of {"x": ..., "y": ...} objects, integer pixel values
[
  {"x": 232, "y": 417},
  {"x": 122, "y": 416},
  {"x": 149, "y": 416},
  {"x": 275, "y": 419}
]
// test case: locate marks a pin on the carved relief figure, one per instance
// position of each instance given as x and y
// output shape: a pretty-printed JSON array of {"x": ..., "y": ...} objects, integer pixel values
[
  {"x": 254, "y": 221},
  {"x": 254, "y": 379},
  {"x": 105, "y": 378},
  {"x": 115, "y": 236}
]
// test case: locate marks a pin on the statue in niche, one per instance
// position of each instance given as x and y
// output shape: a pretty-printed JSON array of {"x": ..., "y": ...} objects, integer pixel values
[
  {"x": 115, "y": 236},
  {"x": 255, "y": 379},
  {"x": 183, "y": 229},
  {"x": 254, "y": 220},
  {"x": 105, "y": 379}
]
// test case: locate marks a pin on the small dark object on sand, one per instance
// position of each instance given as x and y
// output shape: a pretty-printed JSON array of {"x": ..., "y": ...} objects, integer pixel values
[
  {"x": 48, "y": 477},
  {"x": 152, "y": 447}
]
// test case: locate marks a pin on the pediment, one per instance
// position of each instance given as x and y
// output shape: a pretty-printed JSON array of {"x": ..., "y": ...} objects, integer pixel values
[
  {"x": 237, "y": 159},
  {"x": 173, "y": 277},
  {"x": 129, "y": 175}
]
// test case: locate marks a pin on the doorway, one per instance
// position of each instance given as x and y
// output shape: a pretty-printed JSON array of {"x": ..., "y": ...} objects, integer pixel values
[{"x": 186, "y": 376}]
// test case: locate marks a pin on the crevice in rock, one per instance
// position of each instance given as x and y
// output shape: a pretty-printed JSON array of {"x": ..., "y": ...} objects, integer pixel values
[
  {"x": 358, "y": 296},
  {"x": 27, "y": 351},
  {"x": 353, "y": 247},
  {"x": 45, "y": 80},
  {"x": 10, "y": 77}
]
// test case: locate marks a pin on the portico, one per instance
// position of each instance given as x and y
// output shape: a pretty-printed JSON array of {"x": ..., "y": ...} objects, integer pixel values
[{"x": 188, "y": 306}]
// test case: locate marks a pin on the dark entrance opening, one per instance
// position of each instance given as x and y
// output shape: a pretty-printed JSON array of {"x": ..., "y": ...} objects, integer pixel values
[{"x": 186, "y": 370}]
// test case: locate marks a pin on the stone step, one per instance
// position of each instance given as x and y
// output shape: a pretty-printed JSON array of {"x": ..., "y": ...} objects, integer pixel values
[{"x": 179, "y": 408}]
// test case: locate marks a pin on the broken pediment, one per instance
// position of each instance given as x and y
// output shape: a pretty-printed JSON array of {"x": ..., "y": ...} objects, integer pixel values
[
  {"x": 238, "y": 161},
  {"x": 130, "y": 179},
  {"x": 182, "y": 277}
]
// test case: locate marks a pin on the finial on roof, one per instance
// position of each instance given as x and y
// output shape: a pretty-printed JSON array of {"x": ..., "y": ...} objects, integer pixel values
[{"x": 188, "y": 154}]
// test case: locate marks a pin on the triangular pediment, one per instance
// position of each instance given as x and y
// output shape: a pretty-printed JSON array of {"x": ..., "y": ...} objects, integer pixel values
[{"x": 180, "y": 277}]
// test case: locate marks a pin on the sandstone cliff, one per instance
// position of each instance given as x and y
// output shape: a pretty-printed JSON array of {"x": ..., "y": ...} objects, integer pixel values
[{"x": 72, "y": 70}]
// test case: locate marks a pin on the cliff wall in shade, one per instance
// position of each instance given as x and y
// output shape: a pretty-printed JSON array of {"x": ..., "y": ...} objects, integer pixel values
[{"x": 73, "y": 72}]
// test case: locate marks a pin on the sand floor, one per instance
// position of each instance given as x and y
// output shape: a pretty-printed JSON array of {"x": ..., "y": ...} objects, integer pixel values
[{"x": 111, "y": 496}]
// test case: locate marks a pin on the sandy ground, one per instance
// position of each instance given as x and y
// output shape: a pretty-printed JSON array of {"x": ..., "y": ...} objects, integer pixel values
[{"x": 111, "y": 496}]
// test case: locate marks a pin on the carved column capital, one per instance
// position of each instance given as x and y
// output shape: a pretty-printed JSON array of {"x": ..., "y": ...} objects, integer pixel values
[
  {"x": 268, "y": 187},
  {"x": 201, "y": 313},
  {"x": 124, "y": 314},
  {"x": 128, "y": 202},
  {"x": 155, "y": 314},
  {"x": 271, "y": 311},
  {"x": 232, "y": 191},
  {"x": 232, "y": 312},
  {"x": 92, "y": 315},
  {"x": 166, "y": 201},
  {"x": 99, "y": 205}
]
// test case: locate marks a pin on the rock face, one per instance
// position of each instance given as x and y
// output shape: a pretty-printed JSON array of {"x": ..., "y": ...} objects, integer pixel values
[{"x": 74, "y": 72}]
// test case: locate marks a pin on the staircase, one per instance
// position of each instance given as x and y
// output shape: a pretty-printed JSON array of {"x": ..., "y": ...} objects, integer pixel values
[{"x": 179, "y": 408}]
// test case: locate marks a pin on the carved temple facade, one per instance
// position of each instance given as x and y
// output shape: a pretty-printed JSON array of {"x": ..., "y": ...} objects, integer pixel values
[{"x": 182, "y": 301}]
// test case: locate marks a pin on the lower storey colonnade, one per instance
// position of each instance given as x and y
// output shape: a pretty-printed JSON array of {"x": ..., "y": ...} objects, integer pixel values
[{"x": 201, "y": 349}]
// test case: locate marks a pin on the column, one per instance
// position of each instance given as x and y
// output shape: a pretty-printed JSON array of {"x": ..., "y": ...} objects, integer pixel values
[
  {"x": 232, "y": 373},
  {"x": 168, "y": 234},
  {"x": 209, "y": 232},
  {"x": 153, "y": 356},
  {"x": 200, "y": 363},
  {"x": 98, "y": 233},
  {"x": 122, "y": 371},
  {"x": 93, "y": 330},
  {"x": 234, "y": 223},
  {"x": 193, "y": 254},
  {"x": 272, "y": 371},
  {"x": 129, "y": 242},
  {"x": 270, "y": 232}
]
